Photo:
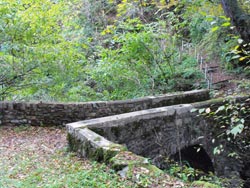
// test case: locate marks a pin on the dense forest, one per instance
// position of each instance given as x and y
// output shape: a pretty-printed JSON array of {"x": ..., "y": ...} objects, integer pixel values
[{"x": 82, "y": 50}]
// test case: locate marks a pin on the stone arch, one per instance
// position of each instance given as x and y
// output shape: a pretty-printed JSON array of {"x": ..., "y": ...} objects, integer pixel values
[{"x": 196, "y": 157}]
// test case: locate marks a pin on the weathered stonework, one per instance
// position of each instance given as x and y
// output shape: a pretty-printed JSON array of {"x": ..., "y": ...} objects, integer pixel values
[
  {"x": 57, "y": 114},
  {"x": 162, "y": 133},
  {"x": 153, "y": 127},
  {"x": 89, "y": 144}
]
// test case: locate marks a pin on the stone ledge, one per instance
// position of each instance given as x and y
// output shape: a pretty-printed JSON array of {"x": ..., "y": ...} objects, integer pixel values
[
  {"x": 121, "y": 119},
  {"x": 91, "y": 145}
]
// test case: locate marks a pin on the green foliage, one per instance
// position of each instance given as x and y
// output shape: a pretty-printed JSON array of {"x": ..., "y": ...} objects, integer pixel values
[
  {"x": 213, "y": 31},
  {"x": 37, "y": 57},
  {"x": 233, "y": 121},
  {"x": 141, "y": 59},
  {"x": 100, "y": 50},
  {"x": 196, "y": 177},
  {"x": 184, "y": 172},
  {"x": 60, "y": 170},
  {"x": 204, "y": 184},
  {"x": 240, "y": 56}
]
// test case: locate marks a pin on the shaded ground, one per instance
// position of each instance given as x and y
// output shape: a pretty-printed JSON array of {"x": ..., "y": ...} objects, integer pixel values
[{"x": 36, "y": 157}]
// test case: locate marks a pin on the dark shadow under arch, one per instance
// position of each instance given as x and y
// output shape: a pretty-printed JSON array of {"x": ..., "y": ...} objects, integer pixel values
[{"x": 196, "y": 157}]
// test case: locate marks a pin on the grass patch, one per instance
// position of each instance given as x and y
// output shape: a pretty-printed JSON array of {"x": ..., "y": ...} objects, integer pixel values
[{"x": 59, "y": 170}]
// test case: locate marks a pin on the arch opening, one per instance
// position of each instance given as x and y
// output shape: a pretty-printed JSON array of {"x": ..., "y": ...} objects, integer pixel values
[{"x": 196, "y": 157}]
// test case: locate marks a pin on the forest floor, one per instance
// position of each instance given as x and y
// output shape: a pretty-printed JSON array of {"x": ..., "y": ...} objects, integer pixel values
[
  {"x": 37, "y": 157},
  {"x": 223, "y": 83}
]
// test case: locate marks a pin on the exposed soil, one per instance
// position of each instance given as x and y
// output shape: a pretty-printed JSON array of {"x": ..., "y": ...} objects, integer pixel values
[{"x": 223, "y": 82}]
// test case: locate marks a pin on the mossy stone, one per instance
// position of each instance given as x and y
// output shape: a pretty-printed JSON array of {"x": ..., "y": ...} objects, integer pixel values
[{"x": 204, "y": 184}]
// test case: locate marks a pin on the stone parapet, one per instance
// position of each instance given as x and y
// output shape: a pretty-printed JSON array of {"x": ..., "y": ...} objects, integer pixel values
[{"x": 57, "y": 114}]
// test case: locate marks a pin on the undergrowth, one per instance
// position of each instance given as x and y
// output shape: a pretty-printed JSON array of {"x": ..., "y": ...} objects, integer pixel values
[{"x": 59, "y": 170}]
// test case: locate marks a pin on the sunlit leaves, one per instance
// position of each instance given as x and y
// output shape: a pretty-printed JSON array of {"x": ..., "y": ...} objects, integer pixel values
[
  {"x": 226, "y": 24},
  {"x": 215, "y": 28},
  {"x": 34, "y": 47}
]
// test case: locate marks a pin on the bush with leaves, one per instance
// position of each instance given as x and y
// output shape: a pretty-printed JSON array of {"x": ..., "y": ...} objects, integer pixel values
[
  {"x": 233, "y": 121},
  {"x": 142, "y": 59},
  {"x": 239, "y": 57}
]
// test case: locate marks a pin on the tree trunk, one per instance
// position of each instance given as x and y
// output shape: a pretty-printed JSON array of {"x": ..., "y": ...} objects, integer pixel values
[{"x": 240, "y": 18}]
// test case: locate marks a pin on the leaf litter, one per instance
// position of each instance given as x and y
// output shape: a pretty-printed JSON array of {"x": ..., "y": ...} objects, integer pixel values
[{"x": 37, "y": 157}]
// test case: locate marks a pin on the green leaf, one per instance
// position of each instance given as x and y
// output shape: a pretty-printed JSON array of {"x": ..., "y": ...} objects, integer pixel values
[
  {"x": 193, "y": 110},
  {"x": 243, "y": 58},
  {"x": 226, "y": 24},
  {"x": 201, "y": 110},
  {"x": 236, "y": 47},
  {"x": 221, "y": 108},
  {"x": 216, "y": 151},
  {"x": 209, "y": 19},
  {"x": 237, "y": 130},
  {"x": 215, "y": 28}
]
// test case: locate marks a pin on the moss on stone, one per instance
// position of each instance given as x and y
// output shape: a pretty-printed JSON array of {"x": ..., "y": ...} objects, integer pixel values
[
  {"x": 204, "y": 184},
  {"x": 126, "y": 158},
  {"x": 97, "y": 139},
  {"x": 112, "y": 151},
  {"x": 94, "y": 154},
  {"x": 72, "y": 143},
  {"x": 135, "y": 171},
  {"x": 108, "y": 154},
  {"x": 152, "y": 169}
]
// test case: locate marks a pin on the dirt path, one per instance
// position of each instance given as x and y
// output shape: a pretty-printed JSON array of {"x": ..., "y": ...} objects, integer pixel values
[{"x": 221, "y": 81}]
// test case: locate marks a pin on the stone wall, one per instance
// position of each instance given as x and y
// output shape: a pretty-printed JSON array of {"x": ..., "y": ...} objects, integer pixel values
[
  {"x": 47, "y": 114},
  {"x": 154, "y": 133},
  {"x": 160, "y": 133},
  {"x": 165, "y": 132}
]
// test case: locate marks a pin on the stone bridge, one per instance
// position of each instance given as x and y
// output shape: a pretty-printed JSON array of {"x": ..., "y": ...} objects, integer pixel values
[
  {"x": 171, "y": 132},
  {"x": 159, "y": 128}
]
